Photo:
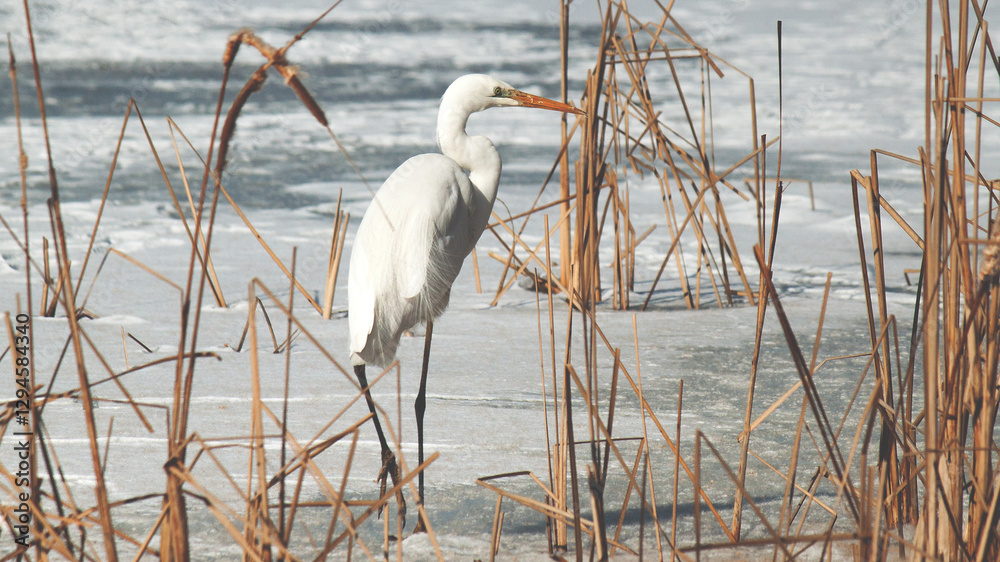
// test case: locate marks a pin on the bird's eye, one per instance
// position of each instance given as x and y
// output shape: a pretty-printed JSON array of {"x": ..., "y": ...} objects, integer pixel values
[{"x": 497, "y": 91}]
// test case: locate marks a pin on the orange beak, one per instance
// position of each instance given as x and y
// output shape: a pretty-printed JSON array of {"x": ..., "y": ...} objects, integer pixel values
[{"x": 529, "y": 100}]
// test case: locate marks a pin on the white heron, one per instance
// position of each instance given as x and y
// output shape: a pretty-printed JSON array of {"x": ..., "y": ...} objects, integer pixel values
[{"x": 422, "y": 223}]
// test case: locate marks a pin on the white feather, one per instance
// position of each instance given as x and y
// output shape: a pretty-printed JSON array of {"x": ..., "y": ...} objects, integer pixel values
[{"x": 424, "y": 221}]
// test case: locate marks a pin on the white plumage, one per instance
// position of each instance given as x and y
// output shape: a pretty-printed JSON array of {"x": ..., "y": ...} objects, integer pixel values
[
  {"x": 422, "y": 223},
  {"x": 409, "y": 249}
]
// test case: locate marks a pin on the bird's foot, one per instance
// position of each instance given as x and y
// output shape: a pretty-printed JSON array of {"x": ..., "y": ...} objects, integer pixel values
[
  {"x": 420, "y": 527},
  {"x": 390, "y": 470}
]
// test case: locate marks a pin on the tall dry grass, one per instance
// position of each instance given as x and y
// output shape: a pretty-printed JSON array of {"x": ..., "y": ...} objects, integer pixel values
[
  {"x": 937, "y": 460},
  {"x": 911, "y": 480},
  {"x": 266, "y": 522}
]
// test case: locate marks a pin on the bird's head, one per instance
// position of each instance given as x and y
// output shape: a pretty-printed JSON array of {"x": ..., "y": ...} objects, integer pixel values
[{"x": 476, "y": 92}]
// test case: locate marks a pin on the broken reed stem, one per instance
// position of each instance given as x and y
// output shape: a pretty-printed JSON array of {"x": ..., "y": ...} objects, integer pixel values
[
  {"x": 336, "y": 249},
  {"x": 213, "y": 279},
  {"x": 335, "y": 267}
]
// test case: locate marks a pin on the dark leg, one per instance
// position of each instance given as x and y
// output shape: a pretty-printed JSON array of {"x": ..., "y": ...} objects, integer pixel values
[
  {"x": 419, "y": 406},
  {"x": 389, "y": 467}
]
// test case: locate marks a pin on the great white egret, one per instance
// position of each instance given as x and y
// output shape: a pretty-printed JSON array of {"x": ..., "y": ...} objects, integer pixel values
[{"x": 422, "y": 223}]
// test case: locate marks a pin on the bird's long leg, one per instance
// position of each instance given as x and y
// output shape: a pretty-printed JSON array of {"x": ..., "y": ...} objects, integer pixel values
[
  {"x": 389, "y": 466},
  {"x": 419, "y": 406}
]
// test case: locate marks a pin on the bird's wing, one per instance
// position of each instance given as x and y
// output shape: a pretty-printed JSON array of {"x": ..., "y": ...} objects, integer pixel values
[
  {"x": 413, "y": 234},
  {"x": 360, "y": 298},
  {"x": 431, "y": 194}
]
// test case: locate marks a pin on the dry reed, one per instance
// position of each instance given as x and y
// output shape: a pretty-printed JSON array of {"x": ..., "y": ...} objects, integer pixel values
[
  {"x": 262, "y": 527},
  {"x": 928, "y": 491},
  {"x": 877, "y": 492},
  {"x": 937, "y": 463}
]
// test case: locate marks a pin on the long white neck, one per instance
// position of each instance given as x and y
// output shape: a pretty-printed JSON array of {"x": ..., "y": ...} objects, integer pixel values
[{"x": 475, "y": 154}]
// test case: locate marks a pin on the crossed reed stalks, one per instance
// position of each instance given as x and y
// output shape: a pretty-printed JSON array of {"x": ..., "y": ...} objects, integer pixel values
[
  {"x": 266, "y": 521},
  {"x": 927, "y": 491},
  {"x": 913, "y": 481}
]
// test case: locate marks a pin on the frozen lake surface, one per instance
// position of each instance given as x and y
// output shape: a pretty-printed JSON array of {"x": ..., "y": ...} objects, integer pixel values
[{"x": 378, "y": 68}]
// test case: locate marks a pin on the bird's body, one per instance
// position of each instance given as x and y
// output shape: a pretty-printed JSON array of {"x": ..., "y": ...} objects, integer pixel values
[{"x": 422, "y": 223}]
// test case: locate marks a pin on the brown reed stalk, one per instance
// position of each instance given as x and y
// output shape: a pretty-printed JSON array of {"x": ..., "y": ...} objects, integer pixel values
[
  {"x": 201, "y": 243},
  {"x": 174, "y": 534},
  {"x": 22, "y": 160},
  {"x": 557, "y": 465},
  {"x": 68, "y": 301},
  {"x": 565, "y": 242},
  {"x": 255, "y": 508},
  {"x": 284, "y": 525},
  {"x": 830, "y": 442},
  {"x": 104, "y": 197},
  {"x": 958, "y": 343},
  {"x": 887, "y": 447},
  {"x": 954, "y": 317},
  {"x": 621, "y": 135},
  {"x": 336, "y": 251},
  {"x": 497, "y": 527},
  {"x": 609, "y": 143},
  {"x": 762, "y": 300}
]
